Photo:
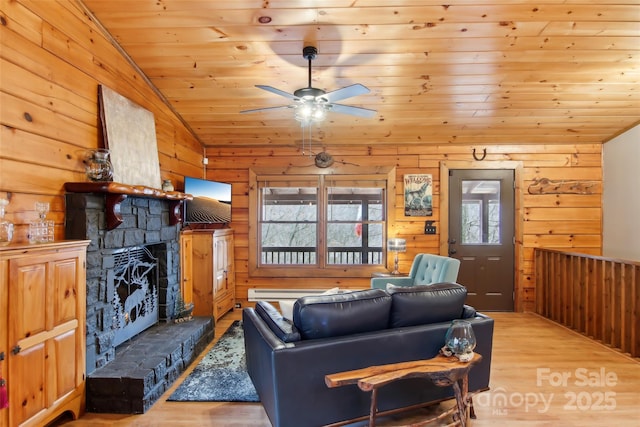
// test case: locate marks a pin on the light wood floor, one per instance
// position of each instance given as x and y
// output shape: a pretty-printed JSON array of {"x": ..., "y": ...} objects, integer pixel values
[{"x": 542, "y": 375}]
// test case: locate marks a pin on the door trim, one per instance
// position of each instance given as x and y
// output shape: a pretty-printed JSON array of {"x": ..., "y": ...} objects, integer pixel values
[{"x": 517, "y": 168}]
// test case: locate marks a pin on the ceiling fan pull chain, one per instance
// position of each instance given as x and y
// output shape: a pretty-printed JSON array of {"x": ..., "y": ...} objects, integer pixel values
[{"x": 304, "y": 138}]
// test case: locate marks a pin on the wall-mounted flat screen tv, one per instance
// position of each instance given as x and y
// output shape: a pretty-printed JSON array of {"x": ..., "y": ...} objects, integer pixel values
[{"x": 211, "y": 202}]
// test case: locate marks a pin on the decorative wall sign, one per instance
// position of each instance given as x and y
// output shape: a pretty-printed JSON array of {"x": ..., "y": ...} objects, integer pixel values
[
  {"x": 130, "y": 135},
  {"x": 548, "y": 186},
  {"x": 418, "y": 193}
]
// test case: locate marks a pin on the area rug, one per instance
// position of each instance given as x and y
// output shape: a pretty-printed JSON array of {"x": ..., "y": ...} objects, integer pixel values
[{"x": 221, "y": 376}]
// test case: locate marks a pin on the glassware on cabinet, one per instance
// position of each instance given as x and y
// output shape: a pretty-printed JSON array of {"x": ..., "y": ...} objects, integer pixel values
[
  {"x": 6, "y": 227},
  {"x": 41, "y": 230}
]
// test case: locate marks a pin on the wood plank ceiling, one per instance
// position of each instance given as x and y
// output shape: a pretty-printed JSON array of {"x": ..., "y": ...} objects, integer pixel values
[{"x": 470, "y": 71}]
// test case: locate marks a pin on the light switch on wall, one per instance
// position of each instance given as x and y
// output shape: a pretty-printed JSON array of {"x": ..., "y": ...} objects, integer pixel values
[{"x": 429, "y": 228}]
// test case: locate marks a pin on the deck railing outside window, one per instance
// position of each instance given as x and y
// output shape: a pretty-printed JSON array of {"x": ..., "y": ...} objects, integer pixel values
[{"x": 307, "y": 256}]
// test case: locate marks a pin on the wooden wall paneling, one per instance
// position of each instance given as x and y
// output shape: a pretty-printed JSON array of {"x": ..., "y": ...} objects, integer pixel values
[
  {"x": 57, "y": 97},
  {"x": 41, "y": 120},
  {"x": 567, "y": 242},
  {"x": 544, "y": 216},
  {"x": 560, "y": 173},
  {"x": 23, "y": 21},
  {"x": 20, "y": 146},
  {"x": 53, "y": 59},
  {"x": 127, "y": 82}
]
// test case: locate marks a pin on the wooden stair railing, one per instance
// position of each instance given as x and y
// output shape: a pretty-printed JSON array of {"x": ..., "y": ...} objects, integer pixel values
[{"x": 596, "y": 296}]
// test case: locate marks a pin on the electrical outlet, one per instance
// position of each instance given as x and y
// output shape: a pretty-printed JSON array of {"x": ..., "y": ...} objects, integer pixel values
[
  {"x": 429, "y": 228},
  {"x": 238, "y": 305}
]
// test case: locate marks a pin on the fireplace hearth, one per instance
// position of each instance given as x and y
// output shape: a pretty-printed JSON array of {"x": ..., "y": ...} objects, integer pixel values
[{"x": 134, "y": 349}]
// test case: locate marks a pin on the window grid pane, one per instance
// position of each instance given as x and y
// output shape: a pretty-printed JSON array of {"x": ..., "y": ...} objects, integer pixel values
[
  {"x": 355, "y": 225},
  {"x": 288, "y": 225}
]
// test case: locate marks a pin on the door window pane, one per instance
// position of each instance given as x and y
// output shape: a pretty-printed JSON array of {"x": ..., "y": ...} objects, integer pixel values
[{"x": 480, "y": 212}]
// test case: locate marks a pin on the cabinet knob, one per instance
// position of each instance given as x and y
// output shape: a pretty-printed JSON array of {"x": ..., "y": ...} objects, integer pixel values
[{"x": 16, "y": 349}]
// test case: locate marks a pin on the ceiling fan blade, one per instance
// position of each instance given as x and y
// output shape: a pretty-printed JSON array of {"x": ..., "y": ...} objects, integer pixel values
[
  {"x": 346, "y": 92},
  {"x": 266, "y": 109},
  {"x": 354, "y": 111},
  {"x": 277, "y": 91}
]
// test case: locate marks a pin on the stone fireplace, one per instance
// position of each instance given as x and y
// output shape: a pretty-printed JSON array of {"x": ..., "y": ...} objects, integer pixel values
[{"x": 134, "y": 349}]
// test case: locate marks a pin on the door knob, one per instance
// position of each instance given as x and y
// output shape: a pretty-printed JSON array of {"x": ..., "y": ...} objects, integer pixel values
[{"x": 452, "y": 251}]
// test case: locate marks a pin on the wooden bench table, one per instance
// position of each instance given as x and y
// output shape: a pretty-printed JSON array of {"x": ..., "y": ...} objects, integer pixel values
[{"x": 441, "y": 370}]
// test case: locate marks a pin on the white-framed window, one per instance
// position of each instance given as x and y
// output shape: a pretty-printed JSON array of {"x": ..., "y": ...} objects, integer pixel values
[{"x": 311, "y": 224}]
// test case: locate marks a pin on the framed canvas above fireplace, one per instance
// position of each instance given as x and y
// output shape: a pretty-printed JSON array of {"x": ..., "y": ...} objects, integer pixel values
[{"x": 130, "y": 135}]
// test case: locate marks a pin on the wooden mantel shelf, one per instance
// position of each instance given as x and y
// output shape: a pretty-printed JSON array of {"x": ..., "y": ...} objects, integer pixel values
[{"x": 115, "y": 193}]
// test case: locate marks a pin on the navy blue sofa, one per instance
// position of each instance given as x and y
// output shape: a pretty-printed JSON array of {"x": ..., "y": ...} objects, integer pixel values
[{"x": 287, "y": 361}]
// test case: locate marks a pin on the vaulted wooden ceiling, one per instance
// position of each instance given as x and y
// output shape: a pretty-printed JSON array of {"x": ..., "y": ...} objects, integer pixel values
[{"x": 470, "y": 71}]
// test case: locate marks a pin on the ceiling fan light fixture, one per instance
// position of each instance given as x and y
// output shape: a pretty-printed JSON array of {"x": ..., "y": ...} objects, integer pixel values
[
  {"x": 310, "y": 112},
  {"x": 319, "y": 113},
  {"x": 311, "y": 104}
]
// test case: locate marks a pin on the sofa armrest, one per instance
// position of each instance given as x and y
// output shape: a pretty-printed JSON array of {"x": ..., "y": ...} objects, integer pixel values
[
  {"x": 468, "y": 312},
  {"x": 283, "y": 328},
  {"x": 381, "y": 282},
  {"x": 253, "y": 320}
]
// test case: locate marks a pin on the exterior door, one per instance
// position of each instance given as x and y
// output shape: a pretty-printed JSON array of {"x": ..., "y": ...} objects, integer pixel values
[{"x": 482, "y": 234}]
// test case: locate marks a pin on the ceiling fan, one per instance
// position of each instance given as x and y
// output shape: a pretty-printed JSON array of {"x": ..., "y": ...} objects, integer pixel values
[{"x": 312, "y": 104}]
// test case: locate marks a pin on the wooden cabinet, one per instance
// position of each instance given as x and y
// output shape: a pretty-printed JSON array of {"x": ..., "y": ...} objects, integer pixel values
[
  {"x": 42, "y": 330},
  {"x": 210, "y": 271}
]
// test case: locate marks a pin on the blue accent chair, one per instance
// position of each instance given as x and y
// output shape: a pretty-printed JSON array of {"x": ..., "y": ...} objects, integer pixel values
[{"x": 426, "y": 269}]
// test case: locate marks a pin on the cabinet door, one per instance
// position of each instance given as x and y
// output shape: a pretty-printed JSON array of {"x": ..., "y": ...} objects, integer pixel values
[
  {"x": 221, "y": 264},
  {"x": 45, "y": 305},
  {"x": 186, "y": 268},
  {"x": 202, "y": 273},
  {"x": 224, "y": 275}
]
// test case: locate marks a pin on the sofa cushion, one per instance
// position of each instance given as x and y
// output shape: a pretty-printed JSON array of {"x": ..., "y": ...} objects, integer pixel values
[
  {"x": 417, "y": 305},
  {"x": 280, "y": 326},
  {"x": 286, "y": 306},
  {"x": 322, "y": 316}
]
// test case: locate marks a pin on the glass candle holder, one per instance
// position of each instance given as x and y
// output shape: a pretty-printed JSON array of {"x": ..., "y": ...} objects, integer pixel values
[
  {"x": 460, "y": 340},
  {"x": 98, "y": 165}
]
